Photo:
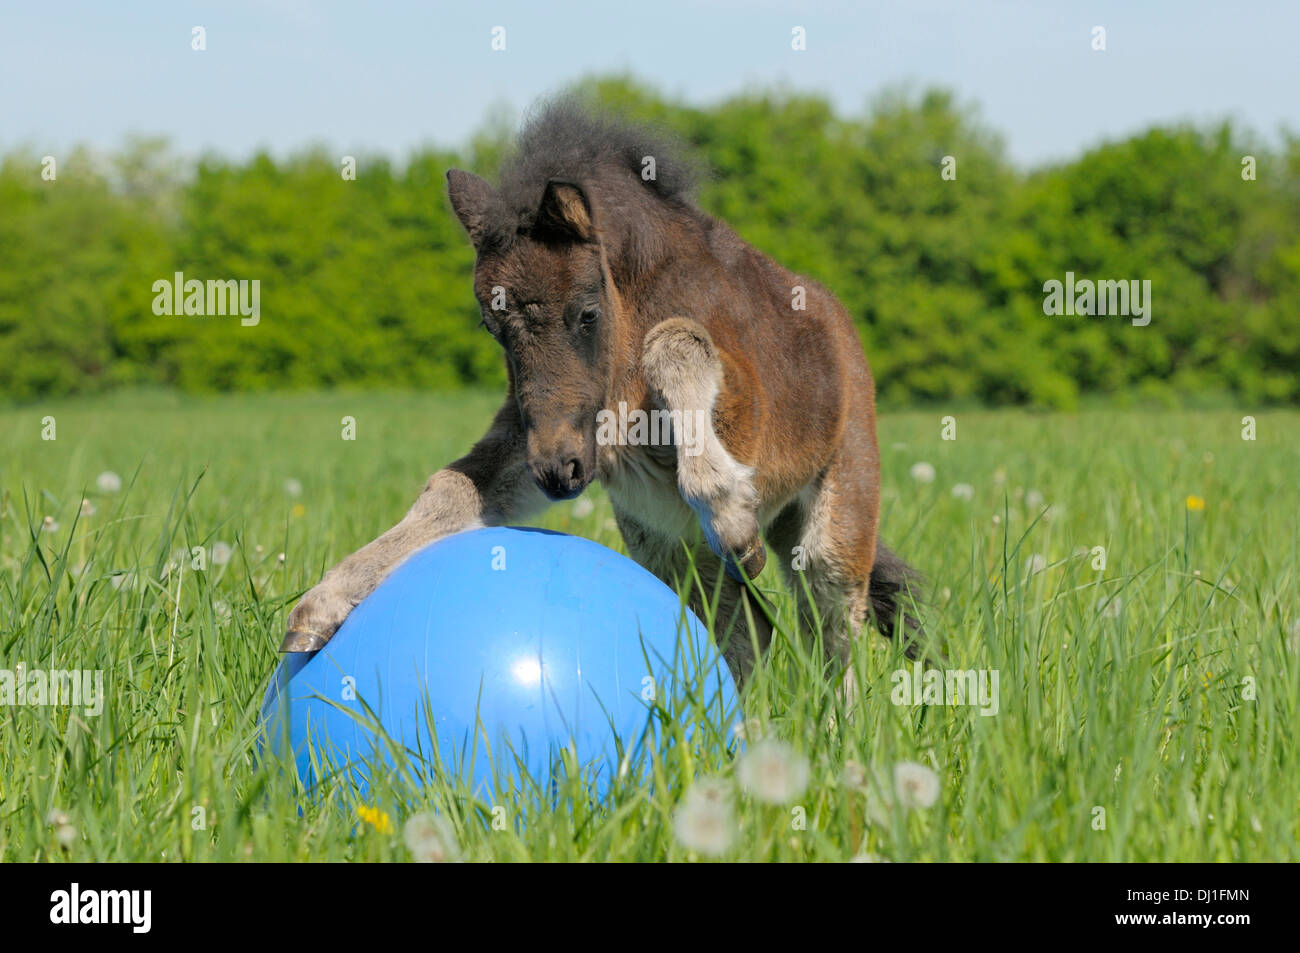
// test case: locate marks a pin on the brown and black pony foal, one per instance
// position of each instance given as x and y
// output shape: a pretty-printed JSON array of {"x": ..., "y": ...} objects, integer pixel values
[{"x": 610, "y": 291}]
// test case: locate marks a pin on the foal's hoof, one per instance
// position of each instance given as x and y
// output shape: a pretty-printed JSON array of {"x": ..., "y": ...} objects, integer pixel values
[
  {"x": 296, "y": 640},
  {"x": 314, "y": 620},
  {"x": 748, "y": 563}
]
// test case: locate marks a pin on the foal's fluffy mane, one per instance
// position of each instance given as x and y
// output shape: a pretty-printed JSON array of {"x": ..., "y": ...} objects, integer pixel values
[{"x": 568, "y": 140}]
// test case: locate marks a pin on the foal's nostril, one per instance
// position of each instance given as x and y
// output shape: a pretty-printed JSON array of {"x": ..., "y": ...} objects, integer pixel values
[{"x": 560, "y": 479}]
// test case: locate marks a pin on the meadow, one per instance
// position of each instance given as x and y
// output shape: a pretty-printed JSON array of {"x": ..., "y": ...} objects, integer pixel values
[{"x": 1148, "y": 691}]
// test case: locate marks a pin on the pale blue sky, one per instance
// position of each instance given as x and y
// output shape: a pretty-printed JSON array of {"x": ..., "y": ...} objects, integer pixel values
[{"x": 377, "y": 77}]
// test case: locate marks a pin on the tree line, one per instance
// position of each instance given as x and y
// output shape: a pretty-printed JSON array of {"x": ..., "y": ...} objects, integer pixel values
[{"x": 911, "y": 213}]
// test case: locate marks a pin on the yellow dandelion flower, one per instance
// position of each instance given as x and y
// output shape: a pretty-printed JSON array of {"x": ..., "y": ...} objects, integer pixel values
[
  {"x": 298, "y": 509},
  {"x": 376, "y": 819},
  {"x": 1195, "y": 503}
]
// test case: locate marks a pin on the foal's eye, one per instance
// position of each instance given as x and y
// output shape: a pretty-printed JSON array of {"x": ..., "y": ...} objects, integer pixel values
[{"x": 590, "y": 316}]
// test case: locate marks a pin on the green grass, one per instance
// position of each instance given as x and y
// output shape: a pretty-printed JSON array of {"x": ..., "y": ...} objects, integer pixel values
[{"x": 1163, "y": 690}]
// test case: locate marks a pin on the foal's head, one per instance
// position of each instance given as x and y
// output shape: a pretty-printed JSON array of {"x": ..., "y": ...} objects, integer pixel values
[{"x": 543, "y": 290}]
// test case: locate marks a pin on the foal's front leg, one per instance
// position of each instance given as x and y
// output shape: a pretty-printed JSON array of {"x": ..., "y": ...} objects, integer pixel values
[
  {"x": 684, "y": 371},
  {"x": 489, "y": 486}
]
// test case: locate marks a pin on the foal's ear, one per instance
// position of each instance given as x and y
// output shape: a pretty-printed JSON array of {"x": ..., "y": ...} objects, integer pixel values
[
  {"x": 474, "y": 202},
  {"x": 565, "y": 213}
]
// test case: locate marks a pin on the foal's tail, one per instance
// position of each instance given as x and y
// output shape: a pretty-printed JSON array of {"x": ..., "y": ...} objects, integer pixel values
[{"x": 894, "y": 591}]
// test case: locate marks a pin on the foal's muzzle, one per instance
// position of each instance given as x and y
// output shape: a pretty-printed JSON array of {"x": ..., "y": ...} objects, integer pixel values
[{"x": 561, "y": 478}]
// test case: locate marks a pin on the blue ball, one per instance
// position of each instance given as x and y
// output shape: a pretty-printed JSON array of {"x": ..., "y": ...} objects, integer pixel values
[{"x": 512, "y": 645}]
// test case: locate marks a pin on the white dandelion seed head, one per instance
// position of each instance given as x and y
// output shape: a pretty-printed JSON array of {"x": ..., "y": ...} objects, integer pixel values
[
  {"x": 583, "y": 507},
  {"x": 704, "y": 821},
  {"x": 108, "y": 482},
  {"x": 293, "y": 488},
  {"x": 773, "y": 772},
  {"x": 1035, "y": 563},
  {"x": 963, "y": 491},
  {"x": 430, "y": 839},
  {"x": 88, "y": 508},
  {"x": 915, "y": 784},
  {"x": 66, "y": 835},
  {"x": 221, "y": 553},
  {"x": 749, "y": 729},
  {"x": 49, "y": 525},
  {"x": 854, "y": 776},
  {"x": 922, "y": 472},
  {"x": 1033, "y": 499}
]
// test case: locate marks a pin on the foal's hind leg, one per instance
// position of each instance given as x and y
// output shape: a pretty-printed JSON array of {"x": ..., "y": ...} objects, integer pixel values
[
  {"x": 684, "y": 372},
  {"x": 825, "y": 541}
]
